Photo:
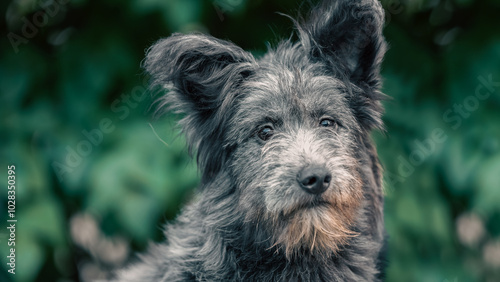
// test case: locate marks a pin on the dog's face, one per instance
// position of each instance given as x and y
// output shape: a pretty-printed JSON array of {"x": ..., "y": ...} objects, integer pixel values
[
  {"x": 295, "y": 159},
  {"x": 292, "y": 126},
  {"x": 285, "y": 130}
]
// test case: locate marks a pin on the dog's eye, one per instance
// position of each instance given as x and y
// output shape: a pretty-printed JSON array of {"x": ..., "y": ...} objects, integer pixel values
[
  {"x": 265, "y": 133},
  {"x": 326, "y": 122}
]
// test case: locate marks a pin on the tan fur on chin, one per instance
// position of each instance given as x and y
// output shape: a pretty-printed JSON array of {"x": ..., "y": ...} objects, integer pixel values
[{"x": 320, "y": 231}]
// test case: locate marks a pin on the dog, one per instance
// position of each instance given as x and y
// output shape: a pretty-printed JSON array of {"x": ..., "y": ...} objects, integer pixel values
[{"x": 291, "y": 184}]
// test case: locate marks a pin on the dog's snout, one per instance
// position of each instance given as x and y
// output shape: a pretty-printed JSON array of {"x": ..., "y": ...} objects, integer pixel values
[{"x": 314, "y": 179}]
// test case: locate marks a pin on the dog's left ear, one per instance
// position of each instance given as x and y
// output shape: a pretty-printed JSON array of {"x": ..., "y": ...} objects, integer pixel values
[{"x": 347, "y": 36}]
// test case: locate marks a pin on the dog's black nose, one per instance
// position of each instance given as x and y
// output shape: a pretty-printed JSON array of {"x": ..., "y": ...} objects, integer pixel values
[{"x": 314, "y": 179}]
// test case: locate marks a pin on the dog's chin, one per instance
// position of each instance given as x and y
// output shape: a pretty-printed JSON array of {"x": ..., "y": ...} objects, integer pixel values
[{"x": 317, "y": 227}]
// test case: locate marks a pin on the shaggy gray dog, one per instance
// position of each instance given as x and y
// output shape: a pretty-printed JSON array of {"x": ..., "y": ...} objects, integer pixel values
[{"x": 291, "y": 185}]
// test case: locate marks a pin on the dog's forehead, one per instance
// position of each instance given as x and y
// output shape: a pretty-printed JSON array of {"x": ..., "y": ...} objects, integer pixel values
[{"x": 291, "y": 92}]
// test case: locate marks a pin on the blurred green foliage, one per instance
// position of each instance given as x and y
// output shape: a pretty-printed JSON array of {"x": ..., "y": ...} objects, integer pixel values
[{"x": 74, "y": 120}]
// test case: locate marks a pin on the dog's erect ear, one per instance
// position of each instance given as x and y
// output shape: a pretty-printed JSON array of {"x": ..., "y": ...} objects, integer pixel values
[
  {"x": 348, "y": 34},
  {"x": 202, "y": 74}
]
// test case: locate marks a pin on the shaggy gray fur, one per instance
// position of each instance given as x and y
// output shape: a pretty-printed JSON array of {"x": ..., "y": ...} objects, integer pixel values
[{"x": 256, "y": 124}]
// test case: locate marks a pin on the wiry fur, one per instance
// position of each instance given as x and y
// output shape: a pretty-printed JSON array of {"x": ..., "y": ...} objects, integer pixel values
[{"x": 251, "y": 220}]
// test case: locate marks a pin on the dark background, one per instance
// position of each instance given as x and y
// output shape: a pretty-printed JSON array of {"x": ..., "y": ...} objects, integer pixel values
[{"x": 95, "y": 180}]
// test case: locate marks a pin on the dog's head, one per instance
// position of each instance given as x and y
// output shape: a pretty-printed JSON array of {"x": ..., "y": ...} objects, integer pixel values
[{"x": 287, "y": 129}]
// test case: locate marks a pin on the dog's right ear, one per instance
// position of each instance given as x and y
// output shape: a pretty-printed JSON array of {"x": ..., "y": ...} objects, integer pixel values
[
  {"x": 202, "y": 74},
  {"x": 199, "y": 70}
]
